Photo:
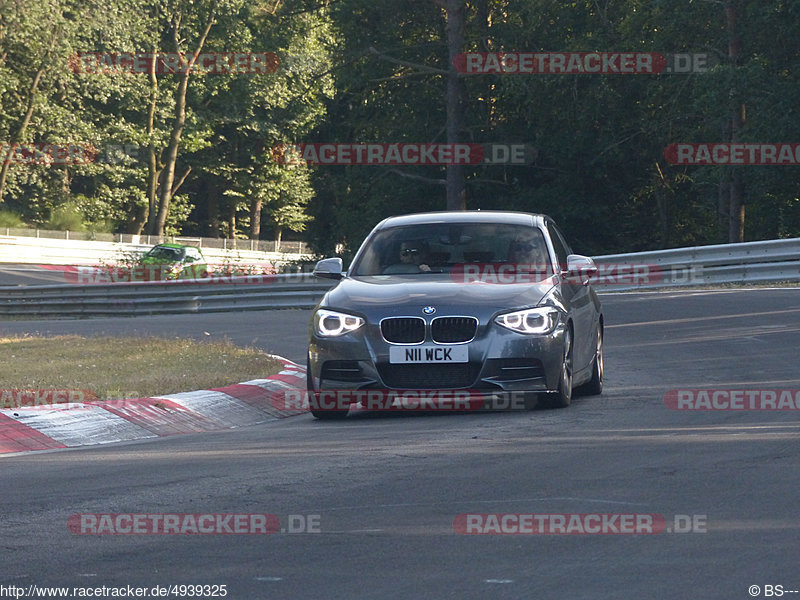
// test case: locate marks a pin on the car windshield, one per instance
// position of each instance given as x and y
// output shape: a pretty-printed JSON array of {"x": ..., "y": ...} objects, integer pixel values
[
  {"x": 166, "y": 253},
  {"x": 439, "y": 247}
]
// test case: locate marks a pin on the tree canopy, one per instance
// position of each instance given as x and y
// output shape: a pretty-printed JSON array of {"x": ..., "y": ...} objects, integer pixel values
[{"x": 182, "y": 149}]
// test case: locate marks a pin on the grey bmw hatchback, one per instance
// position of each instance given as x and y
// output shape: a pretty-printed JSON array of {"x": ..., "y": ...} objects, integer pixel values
[{"x": 485, "y": 302}]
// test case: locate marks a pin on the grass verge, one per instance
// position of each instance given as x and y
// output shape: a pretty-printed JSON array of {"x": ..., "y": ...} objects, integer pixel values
[{"x": 131, "y": 367}]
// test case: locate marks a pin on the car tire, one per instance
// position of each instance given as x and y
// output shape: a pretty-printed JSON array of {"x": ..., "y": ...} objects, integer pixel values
[
  {"x": 313, "y": 399},
  {"x": 595, "y": 385},
  {"x": 562, "y": 397}
]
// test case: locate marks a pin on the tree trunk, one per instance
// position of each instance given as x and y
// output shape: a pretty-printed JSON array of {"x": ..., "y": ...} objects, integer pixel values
[
  {"x": 736, "y": 230},
  {"x": 212, "y": 208},
  {"x": 456, "y": 185},
  {"x": 26, "y": 119},
  {"x": 736, "y": 195},
  {"x": 137, "y": 220},
  {"x": 168, "y": 176},
  {"x": 153, "y": 170},
  {"x": 255, "y": 219},
  {"x": 168, "y": 187},
  {"x": 724, "y": 206},
  {"x": 663, "y": 216},
  {"x": 232, "y": 222}
]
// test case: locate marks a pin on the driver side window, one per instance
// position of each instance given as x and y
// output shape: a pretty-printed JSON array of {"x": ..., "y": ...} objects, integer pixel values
[{"x": 559, "y": 245}]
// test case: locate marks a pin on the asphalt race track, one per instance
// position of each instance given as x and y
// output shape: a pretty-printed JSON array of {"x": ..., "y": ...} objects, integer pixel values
[{"x": 383, "y": 491}]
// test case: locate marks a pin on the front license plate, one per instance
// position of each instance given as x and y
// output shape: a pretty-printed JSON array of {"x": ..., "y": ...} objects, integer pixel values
[{"x": 428, "y": 354}]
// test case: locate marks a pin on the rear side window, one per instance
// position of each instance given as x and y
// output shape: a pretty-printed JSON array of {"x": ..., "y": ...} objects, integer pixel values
[{"x": 193, "y": 255}]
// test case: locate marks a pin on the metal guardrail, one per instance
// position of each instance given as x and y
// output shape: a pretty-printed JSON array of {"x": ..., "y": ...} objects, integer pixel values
[
  {"x": 299, "y": 290},
  {"x": 750, "y": 262}
]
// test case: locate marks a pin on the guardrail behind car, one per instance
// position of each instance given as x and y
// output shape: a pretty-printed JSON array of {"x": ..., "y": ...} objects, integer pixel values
[
  {"x": 163, "y": 297},
  {"x": 749, "y": 262}
]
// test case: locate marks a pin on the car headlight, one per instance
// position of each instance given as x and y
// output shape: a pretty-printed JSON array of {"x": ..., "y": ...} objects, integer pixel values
[
  {"x": 535, "y": 321},
  {"x": 328, "y": 323}
]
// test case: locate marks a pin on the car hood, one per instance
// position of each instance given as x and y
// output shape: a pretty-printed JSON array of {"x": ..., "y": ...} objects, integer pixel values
[{"x": 386, "y": 295}]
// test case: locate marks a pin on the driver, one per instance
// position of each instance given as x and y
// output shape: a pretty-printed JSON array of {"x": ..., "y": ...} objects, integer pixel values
[
  {"x": 413, "y": 258},
  {"x": 414, "y": 254}
]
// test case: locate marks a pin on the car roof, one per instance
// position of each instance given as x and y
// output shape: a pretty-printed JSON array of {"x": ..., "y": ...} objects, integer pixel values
[
  {"x": 175, "y": 246},
  {"x": 469, "y": 216}
]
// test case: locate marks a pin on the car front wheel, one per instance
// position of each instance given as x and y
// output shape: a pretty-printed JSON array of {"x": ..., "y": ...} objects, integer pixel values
[
  {"x": 320, "y": 412},
  {"x": 562, "y": 397},
  {"x": 595, "y": 385}
]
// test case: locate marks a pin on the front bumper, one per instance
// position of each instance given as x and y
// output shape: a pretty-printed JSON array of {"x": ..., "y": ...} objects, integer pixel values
[{"x": 500, "y": 360}]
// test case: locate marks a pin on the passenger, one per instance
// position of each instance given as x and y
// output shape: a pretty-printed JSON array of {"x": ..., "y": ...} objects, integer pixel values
[{"x": 529, "y": 257}]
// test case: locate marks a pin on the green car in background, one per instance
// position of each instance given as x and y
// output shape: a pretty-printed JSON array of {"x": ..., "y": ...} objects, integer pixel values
[{"x": 177, "y": 261}]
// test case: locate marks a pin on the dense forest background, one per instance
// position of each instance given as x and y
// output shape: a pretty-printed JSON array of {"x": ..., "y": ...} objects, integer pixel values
[{"x": 191, "y": 153}]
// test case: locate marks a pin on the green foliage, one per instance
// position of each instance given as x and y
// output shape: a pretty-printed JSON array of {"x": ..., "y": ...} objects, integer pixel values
[
  {"x": 600, "y": 169},
  {"x": 67, "y": 217},
  {"x": 374, "y": 71},
  {"x": 11, "y": 219},
  {"x": 231, "y": 118},
  {"x": 179, "y": 213}
]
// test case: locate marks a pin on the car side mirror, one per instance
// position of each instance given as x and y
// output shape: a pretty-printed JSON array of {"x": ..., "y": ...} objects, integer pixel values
[
  {"x": 329, "y": 268},
  {"x": 580, "y": 268}
]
